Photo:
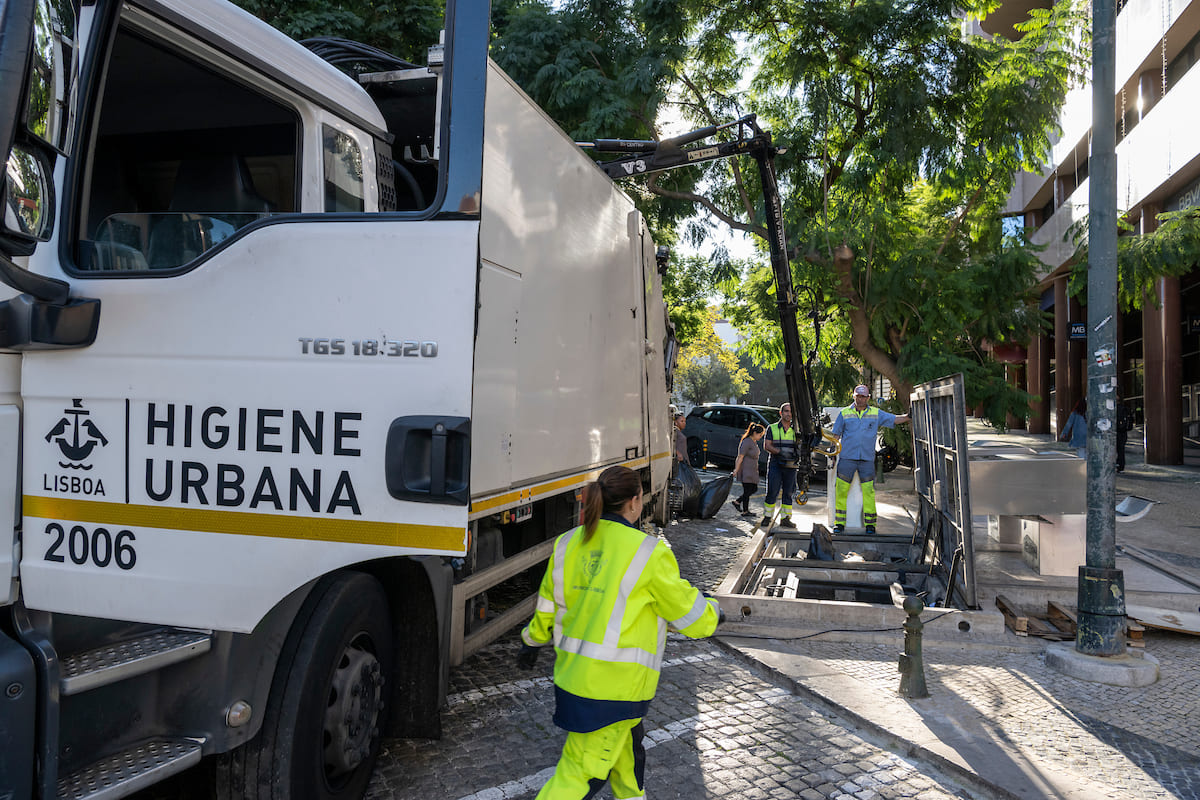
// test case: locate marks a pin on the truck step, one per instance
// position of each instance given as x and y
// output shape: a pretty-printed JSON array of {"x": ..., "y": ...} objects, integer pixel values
[
  {"x": 124, "y": 659},
  {"x": 128, "y": 772}
]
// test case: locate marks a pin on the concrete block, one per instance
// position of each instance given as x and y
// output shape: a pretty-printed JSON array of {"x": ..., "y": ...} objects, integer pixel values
[{"x": 1122, "y": 670}]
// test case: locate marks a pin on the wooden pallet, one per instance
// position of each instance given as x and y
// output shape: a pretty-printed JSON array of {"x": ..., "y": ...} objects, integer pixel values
[
  {"x": 1134, "y": 634},
  {"x": 1044, "y": 626},
  {"x": 1057, "y": 624}
]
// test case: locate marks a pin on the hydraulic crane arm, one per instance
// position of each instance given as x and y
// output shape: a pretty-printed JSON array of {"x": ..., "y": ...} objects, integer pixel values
[{"x": 642, "y": 157}]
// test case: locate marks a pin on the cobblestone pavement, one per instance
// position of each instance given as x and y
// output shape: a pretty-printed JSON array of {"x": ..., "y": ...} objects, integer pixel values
[
  {"x": 1118, "y": 742},
  {"x": 1127, "y": 742},
  {"x": 714, "y": 730}
]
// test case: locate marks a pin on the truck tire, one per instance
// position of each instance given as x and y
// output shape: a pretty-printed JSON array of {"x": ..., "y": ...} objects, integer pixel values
[
  {"x": 660, "y": 508},
  {"x": 327, "y": 706}
]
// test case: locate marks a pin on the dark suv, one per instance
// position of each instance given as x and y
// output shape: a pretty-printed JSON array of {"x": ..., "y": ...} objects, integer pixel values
[{"x": 721, "y": 427}]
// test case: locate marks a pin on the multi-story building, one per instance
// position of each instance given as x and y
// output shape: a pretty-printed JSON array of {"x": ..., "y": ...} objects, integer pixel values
[{"x": 1156, "y": 112}]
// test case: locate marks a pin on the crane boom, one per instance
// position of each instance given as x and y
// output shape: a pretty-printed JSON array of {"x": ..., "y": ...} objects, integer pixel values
[{"x": 643, "y": 157}]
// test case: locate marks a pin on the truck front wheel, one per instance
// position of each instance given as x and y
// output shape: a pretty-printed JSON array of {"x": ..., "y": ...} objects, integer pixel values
[{"x": 327, "y": 707}]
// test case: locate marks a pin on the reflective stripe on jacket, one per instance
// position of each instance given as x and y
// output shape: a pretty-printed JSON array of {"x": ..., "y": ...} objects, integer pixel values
[
  {"x": 606, "y": 604},
  {"x": 784, "y": 440}
]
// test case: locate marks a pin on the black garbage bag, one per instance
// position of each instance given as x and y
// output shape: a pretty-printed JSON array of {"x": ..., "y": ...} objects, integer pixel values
[
  {"x": 820, "y": 545},
  {"x": 685, "y": 489},
  {"x": 713, "y": 496}
]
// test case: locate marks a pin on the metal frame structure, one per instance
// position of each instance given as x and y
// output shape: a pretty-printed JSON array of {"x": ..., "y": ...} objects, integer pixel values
[
  {"x": 941, "y": 476},
  {"x": 936, "y": 561}
]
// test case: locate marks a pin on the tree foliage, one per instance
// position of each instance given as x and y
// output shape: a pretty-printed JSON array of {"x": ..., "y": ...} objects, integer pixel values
[
  {"x": 602, "y": 69},
  {"x": 902, "y": 137},
  {"x": 405, "y": 28},
  {"x": 1170, "y": 251},
  {"x": 687, "y": 288},
  {"x": 707, "y": 369}
]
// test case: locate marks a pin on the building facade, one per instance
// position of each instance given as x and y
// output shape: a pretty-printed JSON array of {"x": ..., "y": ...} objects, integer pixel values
[{"x": 1156, "y": 112}]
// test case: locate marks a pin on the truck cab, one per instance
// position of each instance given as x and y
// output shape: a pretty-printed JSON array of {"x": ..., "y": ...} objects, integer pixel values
[{"x": 295, "y": 366}]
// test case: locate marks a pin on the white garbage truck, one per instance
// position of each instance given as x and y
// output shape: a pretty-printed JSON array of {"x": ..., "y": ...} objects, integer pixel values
[{"x": 297, "y": 363}]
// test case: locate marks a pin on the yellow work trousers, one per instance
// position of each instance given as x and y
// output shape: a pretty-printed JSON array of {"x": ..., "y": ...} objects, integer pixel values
[{"x": 613, "y": 753}]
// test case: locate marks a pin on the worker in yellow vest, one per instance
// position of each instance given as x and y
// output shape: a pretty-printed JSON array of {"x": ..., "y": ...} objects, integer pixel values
[
  {"x": 856, "y": 427},
  {"x": 608, "y": 596},
  {"x": 782, "y": 465}
]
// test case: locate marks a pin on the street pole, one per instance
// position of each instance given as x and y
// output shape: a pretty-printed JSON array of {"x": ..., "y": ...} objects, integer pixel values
[{"x": 1101, "y": 599}]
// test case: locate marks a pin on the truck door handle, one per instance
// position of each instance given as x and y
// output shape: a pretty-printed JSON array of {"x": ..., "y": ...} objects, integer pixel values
[{"x": 427, "y": 459}]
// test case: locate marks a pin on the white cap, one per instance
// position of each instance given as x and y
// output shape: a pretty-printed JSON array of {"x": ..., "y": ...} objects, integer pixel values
[{"x": 863, "y": 390}]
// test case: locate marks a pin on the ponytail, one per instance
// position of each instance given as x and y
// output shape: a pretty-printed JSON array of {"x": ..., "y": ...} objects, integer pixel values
[
  {"x": 593, "y": 506},
  {"x": 612, "y": 490},
  {"x": 751, "y": 429}
]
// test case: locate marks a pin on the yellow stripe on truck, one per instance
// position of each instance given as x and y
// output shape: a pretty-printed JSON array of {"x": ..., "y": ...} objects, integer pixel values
[
  {"x": 484, "y": 505},
  {"x": 349, "y": 531}
]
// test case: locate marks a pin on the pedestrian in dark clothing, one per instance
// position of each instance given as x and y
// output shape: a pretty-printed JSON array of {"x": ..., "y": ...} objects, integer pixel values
[{"x": 681, "y": 453}]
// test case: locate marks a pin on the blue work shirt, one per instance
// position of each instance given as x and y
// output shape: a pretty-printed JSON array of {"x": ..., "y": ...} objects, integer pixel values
[
  {"x": 1076, "y": 430},
  {"x": 859, "y": 430}
]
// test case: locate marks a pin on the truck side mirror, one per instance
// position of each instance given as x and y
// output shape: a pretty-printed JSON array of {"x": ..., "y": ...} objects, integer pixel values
[
  {"x": 27, "y": 196},
  {"x": 49, "y": 102},
  {"x": 45, "y": 113}
]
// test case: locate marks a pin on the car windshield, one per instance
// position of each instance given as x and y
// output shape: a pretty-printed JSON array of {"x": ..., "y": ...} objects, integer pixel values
[{"x": 771, "y": 415}]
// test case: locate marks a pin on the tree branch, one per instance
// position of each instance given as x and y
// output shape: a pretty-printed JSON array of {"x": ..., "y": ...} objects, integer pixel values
[
  {"x": 706, "y": 112},
  {"x": 860, "y": 325},
  {"x": 959, "y": 219},
  {"x": 709, "y": 205}
]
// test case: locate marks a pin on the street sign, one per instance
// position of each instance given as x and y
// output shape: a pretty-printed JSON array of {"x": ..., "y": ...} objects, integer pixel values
[{"x": 1078, "y": 330}]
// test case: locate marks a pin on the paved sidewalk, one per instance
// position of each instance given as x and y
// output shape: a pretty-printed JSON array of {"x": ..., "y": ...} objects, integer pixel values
[
  {"x": 1006, "y": 723},
  {"x": 998, "y": 718}
]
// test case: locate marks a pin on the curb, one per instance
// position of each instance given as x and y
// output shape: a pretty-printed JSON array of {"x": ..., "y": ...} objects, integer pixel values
[{"x": 895, "y": 744}]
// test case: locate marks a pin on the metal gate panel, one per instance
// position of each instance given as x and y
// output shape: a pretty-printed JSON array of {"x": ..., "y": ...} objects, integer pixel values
[{"x": 941, "y": 477}]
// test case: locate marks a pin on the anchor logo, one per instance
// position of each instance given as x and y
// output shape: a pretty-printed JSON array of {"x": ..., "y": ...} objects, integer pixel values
[{"x": 74, "y": 448}]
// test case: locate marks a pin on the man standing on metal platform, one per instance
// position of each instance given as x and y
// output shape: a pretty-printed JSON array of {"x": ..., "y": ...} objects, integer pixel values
[{"x": 857, "y": 426}]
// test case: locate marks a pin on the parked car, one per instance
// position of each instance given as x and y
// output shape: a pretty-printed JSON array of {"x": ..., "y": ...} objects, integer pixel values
[{"x": 714, "y": 431}]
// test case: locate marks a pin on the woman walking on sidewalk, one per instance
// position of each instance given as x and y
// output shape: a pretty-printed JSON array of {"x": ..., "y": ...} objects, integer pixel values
[
  {"x": 1075, "y": 431},
  {"x": 745, "y": 469}
]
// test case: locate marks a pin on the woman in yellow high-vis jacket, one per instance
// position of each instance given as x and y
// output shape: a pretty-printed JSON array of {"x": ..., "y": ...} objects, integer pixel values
[{"x": 608, "y": 595}]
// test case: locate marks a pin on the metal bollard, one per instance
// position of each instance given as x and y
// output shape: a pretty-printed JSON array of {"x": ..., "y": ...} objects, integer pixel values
[{"x": 912, "y": 667}]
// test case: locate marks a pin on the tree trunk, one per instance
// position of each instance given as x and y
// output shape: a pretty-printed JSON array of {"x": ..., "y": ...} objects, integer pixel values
[{"x": 860, "y": 326}]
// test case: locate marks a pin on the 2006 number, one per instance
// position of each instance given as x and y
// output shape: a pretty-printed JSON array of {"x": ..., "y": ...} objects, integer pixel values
[{"x": 99, "y": 546}]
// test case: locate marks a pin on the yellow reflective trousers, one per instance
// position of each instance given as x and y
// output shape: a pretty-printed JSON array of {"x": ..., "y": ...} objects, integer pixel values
[{"x": 613, "y": 753}]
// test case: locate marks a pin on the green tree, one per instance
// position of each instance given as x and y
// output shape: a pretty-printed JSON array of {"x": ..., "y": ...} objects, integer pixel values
[
  {"x": 689, "y": 287},
  {"x": 707, "y": 369},
  {"x": 902, "y": 140},
  {"x": 902, "y": 137},
  {"x": 602, "y": 69},
  {"x": 1170, "y": 251},
  {"x": 406, "y": 28}
]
